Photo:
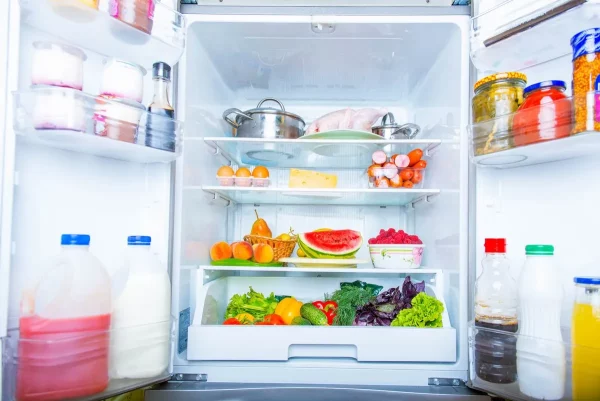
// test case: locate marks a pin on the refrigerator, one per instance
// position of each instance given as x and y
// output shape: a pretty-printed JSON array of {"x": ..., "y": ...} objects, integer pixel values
[{"x": 417, "y": 59}]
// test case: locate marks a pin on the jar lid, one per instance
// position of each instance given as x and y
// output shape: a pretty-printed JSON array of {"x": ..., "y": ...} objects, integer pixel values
[
  {"x": 545, "y": 84},
  {"x": 586, "y": 42},
  {"x": 587, "y": 280},
  {"x": 495, "y": 245},
  {"x": 499, "y": 76},
  {"x": 547, "y": 250}
]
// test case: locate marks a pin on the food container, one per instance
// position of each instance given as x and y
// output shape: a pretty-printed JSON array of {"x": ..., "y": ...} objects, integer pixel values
[
  {"x": 76, "y": 10},
  {"x": 396, "y": 256},
  {"x": 243, "y": 181},
  {"x": 392, "y": 130},
  {"x": 59, "y": 109},
  {"x": 544, "y": 115},
  {"x": 118, "y": 118},
  {"x": 226, "y": 181},
  {"x": 122, "y": 79},
  {"x": 281, "y": 248},
  {"x": 260, "y": 182},
  {"x": 586, "y": 73},
  {"x": 496, "y": 97},
  {"x": 265, "y": 122},
  {"x": 399, "y": 178},
  {"x": 136, "y": 13},
  {"x": 57, "y": 65}
]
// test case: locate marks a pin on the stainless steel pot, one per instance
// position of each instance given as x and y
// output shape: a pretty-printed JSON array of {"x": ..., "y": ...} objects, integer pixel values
[
  {"x": 265, "y": 122},
  {"x": 393, "y": 130}
]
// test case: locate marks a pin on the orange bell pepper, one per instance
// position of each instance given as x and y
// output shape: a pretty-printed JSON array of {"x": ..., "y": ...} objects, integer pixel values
[{"x": 288, "y": 309}]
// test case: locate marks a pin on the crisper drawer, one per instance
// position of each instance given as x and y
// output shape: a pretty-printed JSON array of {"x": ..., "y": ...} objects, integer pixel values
[{"x": 210, "y": 341}]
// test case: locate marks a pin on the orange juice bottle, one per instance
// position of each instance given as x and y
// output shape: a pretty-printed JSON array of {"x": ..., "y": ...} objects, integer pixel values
[{"x": 586, "y": 339}]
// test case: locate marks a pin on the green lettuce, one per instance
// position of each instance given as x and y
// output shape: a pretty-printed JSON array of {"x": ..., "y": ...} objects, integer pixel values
[
  {"x": 426, "y": 311},
  {"x": 253, "y": 303}
]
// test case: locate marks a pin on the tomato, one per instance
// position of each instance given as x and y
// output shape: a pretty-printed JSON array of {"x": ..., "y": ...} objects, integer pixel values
[
  {"x": 417, "y": 177},
  {"x": 407, "y": 174},
  {"x": 414, "y": 156},
  {"x": 274, "y": 319},
  {"x": 421, "y": 164},
  {"x": 264, "y": 324},
  {"x": 407, "y": 184},
  {"x": 232, "y": 321}
]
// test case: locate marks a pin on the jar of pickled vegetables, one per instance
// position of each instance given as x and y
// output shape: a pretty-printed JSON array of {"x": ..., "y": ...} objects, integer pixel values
[
  {"x": 544, "y": 115},
  {"x": 586, "y": 71},
  {"x": 496, "y": 98}
]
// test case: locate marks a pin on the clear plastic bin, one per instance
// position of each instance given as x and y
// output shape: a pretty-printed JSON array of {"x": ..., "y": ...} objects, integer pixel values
[{"x": 380, "y": 178}]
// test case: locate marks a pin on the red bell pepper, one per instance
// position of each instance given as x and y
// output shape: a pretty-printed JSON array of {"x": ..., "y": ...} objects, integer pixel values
[{"x": 329, "y": 307}]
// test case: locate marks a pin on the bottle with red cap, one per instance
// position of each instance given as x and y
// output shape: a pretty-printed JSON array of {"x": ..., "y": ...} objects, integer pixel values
[{"x": 496, "y": 303}]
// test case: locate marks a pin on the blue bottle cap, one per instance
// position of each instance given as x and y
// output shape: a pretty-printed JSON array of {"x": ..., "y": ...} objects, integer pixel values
[
  {"x": 139, "y": 240},
  {"x": 587, "y": 280},
  {"x": 74, "y": 239}
]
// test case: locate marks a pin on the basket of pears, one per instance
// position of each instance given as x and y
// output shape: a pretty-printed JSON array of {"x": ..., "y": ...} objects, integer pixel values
[{"x": 283, "y": 245}]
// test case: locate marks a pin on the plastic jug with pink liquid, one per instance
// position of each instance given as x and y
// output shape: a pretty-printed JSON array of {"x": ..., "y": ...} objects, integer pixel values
[{"x": 64, "y": 327}]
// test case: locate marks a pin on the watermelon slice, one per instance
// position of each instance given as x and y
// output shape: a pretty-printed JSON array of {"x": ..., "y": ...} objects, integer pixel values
[{"x": 335, "y": 244}]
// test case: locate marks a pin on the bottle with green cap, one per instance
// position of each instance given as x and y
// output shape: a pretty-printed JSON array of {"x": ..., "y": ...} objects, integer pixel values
[{"x": 540, "y": 350}]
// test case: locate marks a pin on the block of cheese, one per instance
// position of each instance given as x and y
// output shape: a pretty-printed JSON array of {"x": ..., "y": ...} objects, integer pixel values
[{"x": 311, "y": 179}]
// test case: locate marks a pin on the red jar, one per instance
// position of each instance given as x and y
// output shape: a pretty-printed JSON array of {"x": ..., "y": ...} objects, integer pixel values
[
  {"x": 136, "y": 13},
  {"x": 545, "y": 114}
]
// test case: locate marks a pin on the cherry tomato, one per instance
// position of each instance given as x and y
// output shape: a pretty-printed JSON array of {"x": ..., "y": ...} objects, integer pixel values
[
  {"x": 274, "y": 319},
  {"x": 421, "y": 164},
  {"x": 407, "y": 174},
  {"x": 414, "y": 156},
  {"x": 232, "y": 321},
  {"x": 407, "y": 184},
  {"x": 417, "y": 177}
]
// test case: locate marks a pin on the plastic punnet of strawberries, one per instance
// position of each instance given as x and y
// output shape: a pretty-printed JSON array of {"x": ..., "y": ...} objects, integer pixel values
[{"x": 391, "y": 236}]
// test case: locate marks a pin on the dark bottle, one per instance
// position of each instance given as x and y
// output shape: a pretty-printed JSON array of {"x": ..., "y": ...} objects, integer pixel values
[
  {"x": 160, "y": 125},
  {"x": 496, "y": 309}
]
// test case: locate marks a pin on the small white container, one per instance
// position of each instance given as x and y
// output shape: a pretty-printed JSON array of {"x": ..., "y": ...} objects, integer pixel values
[
  {"x": 59, "y": 109},
  {"x": 118, "y": 118},
  {"x": 57, "y": 65},
  {"x": 226, "y": 181},
  {"x": 243, "y": 181},
  {"x": 122, "y": 79},
  {"x": 260, "y": 182},
  {"x": 394, "y": 256}
]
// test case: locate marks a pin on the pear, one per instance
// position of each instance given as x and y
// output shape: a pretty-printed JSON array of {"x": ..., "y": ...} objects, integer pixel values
[{"x": 260, "y": 227}]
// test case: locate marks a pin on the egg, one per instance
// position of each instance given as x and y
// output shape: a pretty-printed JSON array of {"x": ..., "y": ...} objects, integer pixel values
[
  {"x": 242, "y": 172},
  {"x": 225, "y": 171},
  {"x": 260, "y": 172}
]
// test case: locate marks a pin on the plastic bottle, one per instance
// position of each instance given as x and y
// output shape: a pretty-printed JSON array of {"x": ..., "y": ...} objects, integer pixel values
[
  {"x": 496, "y": 308},
  {"x": 64, "y": 323},
  {"x": 140, "y": 340},
  {"x": 540, "y": 350}
]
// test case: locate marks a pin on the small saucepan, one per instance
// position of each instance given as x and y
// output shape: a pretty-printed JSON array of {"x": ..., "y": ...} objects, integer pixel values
[{"x": 393, "y": 130}]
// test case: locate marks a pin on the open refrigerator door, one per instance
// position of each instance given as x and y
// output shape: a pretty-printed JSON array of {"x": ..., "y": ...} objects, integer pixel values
[
  {"x": 86, "y": 199},
  {"x": 534, "y": 142}
]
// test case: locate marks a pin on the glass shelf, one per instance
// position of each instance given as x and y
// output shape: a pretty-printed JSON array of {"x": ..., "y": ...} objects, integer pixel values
[
  {"x": 330, "y": 196},
  {"x": 554, "y": 131},
  {"x": 316, "y": 153},
  {"x": 366, "y": 269},
  {"x": 519, "y": 34},
  {"x": 73, "y": 120},
  {"x": 97, "y": 30}
]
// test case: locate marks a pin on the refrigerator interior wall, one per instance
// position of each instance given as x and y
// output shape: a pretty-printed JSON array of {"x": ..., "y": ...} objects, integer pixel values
[{"x": 415, "y": 67}]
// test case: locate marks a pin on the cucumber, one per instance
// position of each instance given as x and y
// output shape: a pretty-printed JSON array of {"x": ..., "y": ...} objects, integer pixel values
[
  {"x": 300, "y": 321},
  {"x": 314, "y": 315}
]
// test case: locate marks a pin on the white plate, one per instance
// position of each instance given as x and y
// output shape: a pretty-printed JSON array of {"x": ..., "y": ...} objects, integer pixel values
[{"x": 309, "y": 262}]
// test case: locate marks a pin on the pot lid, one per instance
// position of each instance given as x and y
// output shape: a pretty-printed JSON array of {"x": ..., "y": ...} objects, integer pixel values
[
  {"x": 271, "y": 110},
  {"x": 385, "y": 124}
]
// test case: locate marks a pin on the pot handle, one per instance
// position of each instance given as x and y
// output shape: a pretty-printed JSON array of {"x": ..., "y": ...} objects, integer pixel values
[
  {"x": 413, "y": 130},
  {"x": 238, "y": 112},
  {"x": 271, "y": 100}
]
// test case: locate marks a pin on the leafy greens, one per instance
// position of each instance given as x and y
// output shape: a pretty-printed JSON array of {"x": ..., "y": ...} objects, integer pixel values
[
  {"x": 349, "y": 297},
  {"x": 426, "y": 311},
  {"x": 253, "y": 303}
]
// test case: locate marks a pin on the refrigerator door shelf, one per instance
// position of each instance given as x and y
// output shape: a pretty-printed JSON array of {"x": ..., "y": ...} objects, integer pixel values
[
  {"x": 514, "y": 35},
  {"x": 97, "y": 30}
]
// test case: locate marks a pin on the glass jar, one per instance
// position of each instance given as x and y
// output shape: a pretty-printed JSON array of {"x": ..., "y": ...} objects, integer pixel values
[
  {"x": 585, "y": 339},
  {"x": 136, "y": 13},
  {"x": 544, "y": 115},
  {"x": 586, "y": 70},
  {"x": 496, "y": 97}
]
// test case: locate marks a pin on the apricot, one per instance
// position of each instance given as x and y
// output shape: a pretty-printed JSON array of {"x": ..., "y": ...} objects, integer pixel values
[
  {"x": 263, "y": 253},
  {"x": 220, "y": 251},
  {"x": 242, "y": 250}
]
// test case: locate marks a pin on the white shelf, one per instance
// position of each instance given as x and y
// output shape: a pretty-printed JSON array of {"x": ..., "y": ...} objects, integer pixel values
[
  {"x": 98, "y": 31},
  {"x": 316, "y": 153},
  {"x": 580, "y": 145},
  {"x": 69, "y": 119},
  {"x": 361, "y": 269},
  {"x": 330, "y": 196},
  {"x": 527, "y": 33}
]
